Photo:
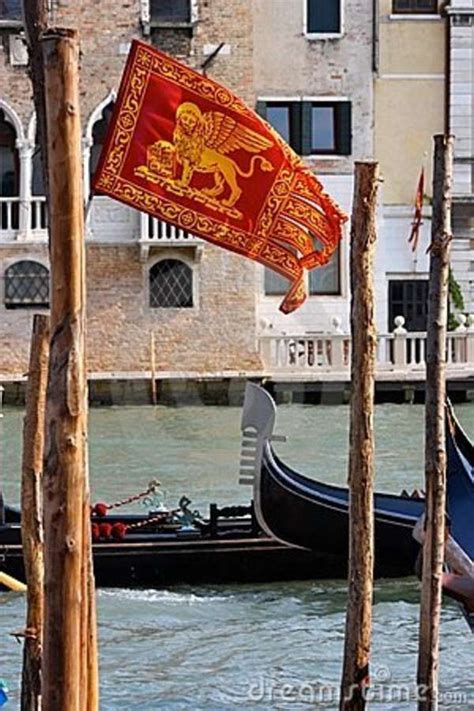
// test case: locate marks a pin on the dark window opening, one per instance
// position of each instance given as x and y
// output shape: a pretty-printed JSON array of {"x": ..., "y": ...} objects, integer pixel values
[
  {"x": 408, "y": 298},
  {"x": 170, "y": 10},
  {"x": 99, "y": 133},
  {"x": 37, "y": 183},
  {"x": 311, "y": 127},
  {"x": 326, "y": 280},
  {"x": 9, "y": 160},
  {"x": 424, "y": 7},
  {"x": 171, "y": 284},
  {"x": 323, "y": 128},
  {"x": 9, "y": 176},
  {"x": 26, "y": 285},
  {"x": 275, "y": 284},
  {"x": 10, "y": 10},
  {"x": 321, "y": 281},
  {"x": 323, "y": 16}
]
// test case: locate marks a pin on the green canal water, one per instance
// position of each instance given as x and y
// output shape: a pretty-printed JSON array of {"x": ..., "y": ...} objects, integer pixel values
[{"x": 259, "y": 647}]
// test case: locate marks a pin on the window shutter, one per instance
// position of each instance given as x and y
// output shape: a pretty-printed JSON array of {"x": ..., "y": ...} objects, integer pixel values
[
  {"x": 306, "y": 128},
  {"x": 344, "y": 128},
  {"x": 261, "y": 109}
]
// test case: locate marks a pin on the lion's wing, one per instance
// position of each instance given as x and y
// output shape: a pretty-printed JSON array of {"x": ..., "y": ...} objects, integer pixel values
[{"x": 225, "y": 135}]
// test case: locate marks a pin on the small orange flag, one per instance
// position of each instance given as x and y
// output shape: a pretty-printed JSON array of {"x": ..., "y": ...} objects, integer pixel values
[
  {"x": 187, "y": 151},
  {"x": 417, "y": 218}
]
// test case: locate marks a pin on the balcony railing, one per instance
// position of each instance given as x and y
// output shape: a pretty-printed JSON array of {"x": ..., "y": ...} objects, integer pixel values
[
  {"x": 9, "y": 214},
  {"x": 157, "y": 231},
  {"x": 400, "y": 352},
  {"x": 23, "y": 220},
  {"x": 38, "y": 213}
]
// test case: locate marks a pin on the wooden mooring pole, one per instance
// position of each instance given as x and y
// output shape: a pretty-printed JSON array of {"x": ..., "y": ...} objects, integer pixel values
[
  {"x": 154, "y": 396},
  {"x": 435, "y": 441},
  {"x": 32, "y": 512},
  {"x": 69, "y": 654},
  {"x": 355, "y": 675}
]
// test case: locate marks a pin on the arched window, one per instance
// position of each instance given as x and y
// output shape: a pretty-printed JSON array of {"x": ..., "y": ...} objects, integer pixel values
[
  {"x": 99, "y": 133},
  {"x": 9, "y": 175},
  {"x": 26, "y": 285},
  {"x": 171, "y": 284},
  {"x": 9, "y": 162}
]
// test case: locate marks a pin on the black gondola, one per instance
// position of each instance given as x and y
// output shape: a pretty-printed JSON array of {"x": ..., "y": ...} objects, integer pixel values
[
  {"x": 304, "y": 512},
  {"x": 228, "y": 546},
  {"x": 296, "y": 529}
]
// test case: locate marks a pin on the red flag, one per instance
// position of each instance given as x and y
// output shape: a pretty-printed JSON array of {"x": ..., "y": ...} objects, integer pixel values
[
  {"x": 186, "y": 150},
  {"x": 417, "y": 218}
]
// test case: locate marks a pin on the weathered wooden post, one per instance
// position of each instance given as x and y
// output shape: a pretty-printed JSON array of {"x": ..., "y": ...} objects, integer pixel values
[
  {"x": 355, "y": 676},
  {"x": 154, "y": 397},
  {"x": 435, "y": 442},
  {"x": 32, "y": 512},
  {"x": 69, "y": 611}
]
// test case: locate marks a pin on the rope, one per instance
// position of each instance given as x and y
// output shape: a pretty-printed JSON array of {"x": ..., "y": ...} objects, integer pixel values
[
  {"x": 152, "y": 519},
  {"x": 119, "y": 530},
  {"x": 100, "y": 509}
]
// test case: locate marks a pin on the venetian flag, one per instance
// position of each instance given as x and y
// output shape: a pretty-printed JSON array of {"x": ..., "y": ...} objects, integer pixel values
[
  {"x": 187, "y": 151},
  {"x": 417, "y": 217}
]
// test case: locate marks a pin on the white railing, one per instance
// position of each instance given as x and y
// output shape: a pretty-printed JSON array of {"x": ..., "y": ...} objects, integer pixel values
[
  {"x": 38, "y": 213},
  {"x": 9, "y": 214},
  {"x": 153, "y": 230},
  {"x": 23, "y": 220},
  {"x": 398, "y": 352}
]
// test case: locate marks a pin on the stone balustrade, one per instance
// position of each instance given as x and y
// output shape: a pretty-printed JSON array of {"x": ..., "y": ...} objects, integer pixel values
[
  {"x": 400, "y": 353},
  {"x": 107, "y": 221},
  {"x": 23, "y": 220}
]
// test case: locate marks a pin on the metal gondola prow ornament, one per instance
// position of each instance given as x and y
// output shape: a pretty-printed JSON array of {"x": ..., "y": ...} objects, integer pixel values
[{"x": 257, "y": 423}]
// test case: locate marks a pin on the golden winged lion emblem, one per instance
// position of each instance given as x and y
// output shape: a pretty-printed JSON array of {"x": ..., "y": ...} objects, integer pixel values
[{"x": 202, "y": 143}]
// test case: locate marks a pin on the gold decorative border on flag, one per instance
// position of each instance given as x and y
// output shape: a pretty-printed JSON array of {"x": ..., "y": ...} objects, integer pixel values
[{"x": 294, "y": 208}]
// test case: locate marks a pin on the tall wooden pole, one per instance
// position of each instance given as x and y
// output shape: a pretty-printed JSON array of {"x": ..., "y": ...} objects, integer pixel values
[
  {"x": 355, "y": 675},
  {"x": 32, "y": 512},
  {"x": 68, "y": 613},
  {"x": 435, "y": 442}
]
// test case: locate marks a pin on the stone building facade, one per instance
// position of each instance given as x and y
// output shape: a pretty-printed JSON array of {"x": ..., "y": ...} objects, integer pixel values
[
  {"x": 339, "y": 82},
  {"x": 215, "y": 332}
]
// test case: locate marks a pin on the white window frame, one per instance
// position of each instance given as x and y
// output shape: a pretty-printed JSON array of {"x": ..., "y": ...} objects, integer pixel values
[
  {"x": 145, "y": 14},
  {"x": 323, "y": 35}
]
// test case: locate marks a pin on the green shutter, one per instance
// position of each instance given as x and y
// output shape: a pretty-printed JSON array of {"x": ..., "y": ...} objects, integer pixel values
[
  {"x": 261, "y": 109},
  {"x": 306, "y": 138},
  {"x": 344, "y": 128}
]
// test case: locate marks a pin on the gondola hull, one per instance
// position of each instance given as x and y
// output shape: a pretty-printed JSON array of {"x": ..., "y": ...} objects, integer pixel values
[
  {"x": 315, "y": 516},
  {"x": 304, "y": 512},
  {"x": 171, "y": 559}
]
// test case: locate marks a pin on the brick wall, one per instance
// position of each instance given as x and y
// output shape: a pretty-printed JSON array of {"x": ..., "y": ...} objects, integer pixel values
[
  {"x": 216, "y": 334},
  {"x": 219, "y": 333}
]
